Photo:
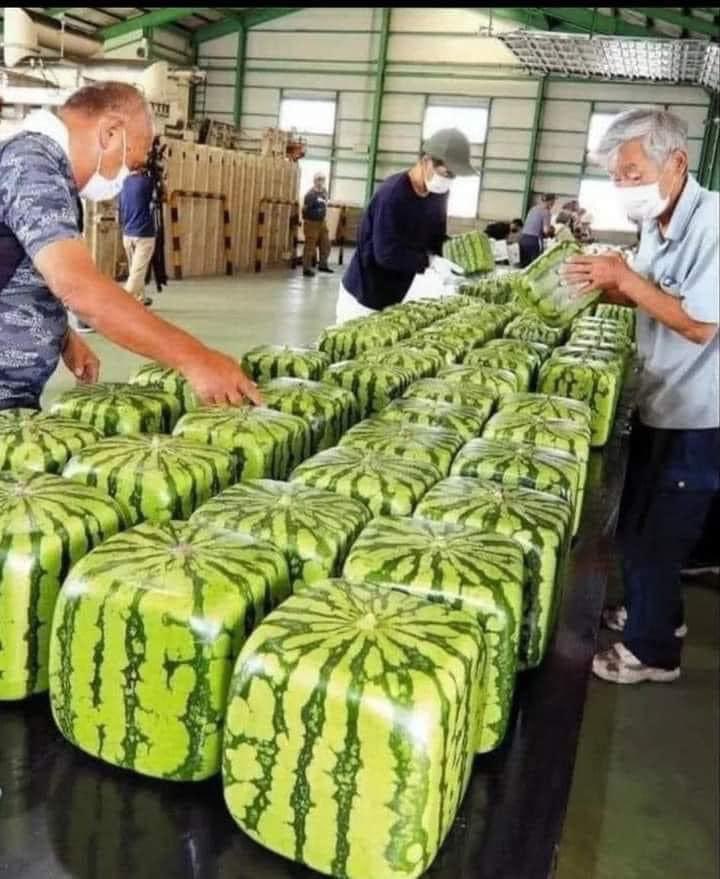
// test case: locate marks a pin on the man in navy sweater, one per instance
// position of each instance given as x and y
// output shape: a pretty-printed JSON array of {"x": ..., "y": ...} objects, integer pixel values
[
  {"x": 138, "y": 228},
  {"x": 404, "y": 228}
]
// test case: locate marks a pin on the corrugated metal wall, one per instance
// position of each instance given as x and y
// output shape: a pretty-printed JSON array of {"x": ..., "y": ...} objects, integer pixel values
[{"x": 433, "y": 54}]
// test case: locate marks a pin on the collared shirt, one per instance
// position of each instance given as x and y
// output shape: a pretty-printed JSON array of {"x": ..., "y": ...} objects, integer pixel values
[
  {"x": 39, "y": 205},
  {"x": 680, "y": 384},
  {"x": 537, "y": 221}
]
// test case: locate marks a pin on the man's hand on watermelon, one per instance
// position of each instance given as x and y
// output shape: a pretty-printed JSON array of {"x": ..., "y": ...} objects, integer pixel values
[
  {"x": 608, "y": 272},
  {"x": 80, "y": 359}
]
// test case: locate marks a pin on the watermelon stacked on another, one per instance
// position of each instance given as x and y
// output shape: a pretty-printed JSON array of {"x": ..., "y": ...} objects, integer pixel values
[
  {"x": 548, "y": 406},
  {"x": 432, "y": 445},
  {"x": 145, "y": 634},
  {"x": 521, "y": 465},
  {"x": 372, "y": 384},
  {"x": 450, "y": 349},
  {"x": 154, "y": 478},
  {"x": 421, "y": 363},
  {"x": 522, "y": 365},
  {"x": 264, "y": 443},
  {"x": 482, "y": 574},
  {"x": 441, "y": 391},
  {"x": 494, "y": 381},
  {"x": 155, "y": 375},
  {"x": 46, "y": 525},
  {"x": 539, "y": 521},
  {"x": 314, "y": 528},
  {"x": 589, "y": 377},
  {"x": 31, "y": 441},
  {"x": 535, "y": 351},
  {"x": 385, "y": 484},
  {"x": 348, "y": 743},
  {"x": 529, "y": 327},
  {"x": 617, "y": 312},
  {"x": 329, "y": 410},
  {"x": 466, "y": 421},
  {"x": 117, "y": 409},
  {"x": 355, "y": 336},
  {"x": 276, "y": 361},
  {"x": 549, "y": 433}
]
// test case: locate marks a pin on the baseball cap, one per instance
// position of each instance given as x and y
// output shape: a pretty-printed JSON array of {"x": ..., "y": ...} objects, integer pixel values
[{"x": 450, "y": 146}]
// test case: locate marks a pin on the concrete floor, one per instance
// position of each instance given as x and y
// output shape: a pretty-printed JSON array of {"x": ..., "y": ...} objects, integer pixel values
[{"x": 644, "y": 803}]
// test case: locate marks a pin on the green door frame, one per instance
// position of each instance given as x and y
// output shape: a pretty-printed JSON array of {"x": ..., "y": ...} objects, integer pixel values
[{"x": 377, "y": 101}]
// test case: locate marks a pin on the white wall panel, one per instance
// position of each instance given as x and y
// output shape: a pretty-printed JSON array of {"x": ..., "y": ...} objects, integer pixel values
[
  {"x": 261, "y": 101},
  {"x": 221, "y": 47},
  {"x": 350, "y": 47},
  {"x": 500, "y": 180},
  {"x": 399, "y": 108},
  {"x": 324, "y": 18},
  {"x": 348, "y": 191},
  {"x": 500, "y": 205},
  {"x": 565, "y": 116},
  {"x": 356, "y": 105},
  {"x": 429, "y": 48},
  {"x": 512, "y": 114}
]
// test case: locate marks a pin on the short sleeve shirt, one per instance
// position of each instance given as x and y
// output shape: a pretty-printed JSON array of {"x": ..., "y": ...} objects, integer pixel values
[
  {"x": 537, "y": 220},
  {"x": 39, "y": 204},
  {"x": 680, "y": 384}
]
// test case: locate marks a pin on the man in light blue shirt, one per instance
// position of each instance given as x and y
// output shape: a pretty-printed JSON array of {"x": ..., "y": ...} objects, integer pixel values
[{"x": 674, "y": 468}]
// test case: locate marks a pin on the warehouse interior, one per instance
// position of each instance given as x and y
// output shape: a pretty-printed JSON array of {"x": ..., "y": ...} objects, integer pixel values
[{"x": 249, "y": 105}]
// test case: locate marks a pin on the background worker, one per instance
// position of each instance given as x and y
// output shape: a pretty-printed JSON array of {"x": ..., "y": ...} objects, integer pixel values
[
  {"x": 404, "y": 228},
  {"x": 537, "y": 226},
  {"x": 315, "y": 228},
  {"x": 674, "y": 467},
  {"x": 138, "y": 229},
  {"x": 102, "y": 132}
]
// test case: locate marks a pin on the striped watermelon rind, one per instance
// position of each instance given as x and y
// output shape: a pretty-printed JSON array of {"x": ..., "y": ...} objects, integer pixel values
[
  {"x": 385, "y": 484},
  {"x": 46, "y": 525},
  {"x": 497, "y": 382},
  {"x": 267, "y": 362},
  {"x": 145, "y": 634},
  {"x": 373, "y": 385},
  {"x": 353, "y": 707},
  {"x": 155, "y": 375},
  {"x": 482, "y": 574},
  {"x": 440, "y": 391},
  {"x": 539, "y": 521},
  {"x": 265, "y": 443},
  {"x": 31, "y": 441},
  {"x": 118, "y": 409},
  {"x": 314, "y": 528},
  {"x": 421, "y": 363},
  {"x": 520, "y": 365},
  {"x": 154, "y": 478},
  {"x": 549, "y": 406},
  {"x": 466, "y": 421}
]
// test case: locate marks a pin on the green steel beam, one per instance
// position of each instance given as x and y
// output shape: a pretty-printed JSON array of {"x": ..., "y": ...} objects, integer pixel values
[
  {"x": 590, "y": 20},
  {"x": 377, "y": 101},
  {"x": 537, "y": 122},
  {"x": 689, "y": 22},
  {"x": 247, "y": 20},
  {"x": 156, "y": 18},
  {"x": 240, "y": 76}
]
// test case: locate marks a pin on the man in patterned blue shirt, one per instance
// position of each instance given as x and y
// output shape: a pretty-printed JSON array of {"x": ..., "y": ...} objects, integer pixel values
[{"x": 101, "y": 133}]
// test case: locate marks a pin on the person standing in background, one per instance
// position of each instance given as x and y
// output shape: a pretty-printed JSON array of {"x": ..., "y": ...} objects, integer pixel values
[
  {"x": 138, "y": 229},
  {"x": 315, "y": 227},
  {"x": 537, "y": 226}
]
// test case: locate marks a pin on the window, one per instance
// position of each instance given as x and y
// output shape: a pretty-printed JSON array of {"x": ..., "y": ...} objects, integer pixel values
[
  {"x": 307, "y": 116},
  {"x": 599, "y": 124},
  {"x": 472, "y": 121},
  {"x": 598, "y": 198},
  {"x": 308, "y": 169}
]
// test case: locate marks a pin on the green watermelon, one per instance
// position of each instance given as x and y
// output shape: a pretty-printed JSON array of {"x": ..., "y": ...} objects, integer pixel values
[
  {"x": 385, "y": 484},
  {"x": 31, "y": 441},
  {"x": 534, "y": 351},
  {"x": 450, "y": 392},
  {"x": 617, "y": 312},
  {"x": 117, "y": 409},
  {"x": 154, "y": 478},
  {"x": 372, "y": 384},
  {"x": 588, "y": 379},
  {"x": 433, "y": 445},
  {"x": 548, "y": 406},
  {"x": 350, "y": 339},
  {"x": 145, "y": 634},
  {"x": 450, "y": 349},
  {"x": 329, "y": 410},
  {"x": 592, "y": 341},
  {"x": 482, "y": 574},
  {"x": 603, "y": 325},
  {"x": 314, "y": 528},
  {"x": 529, "y": 327},
  {"x": 466, "y": 421},
  {"x": 264, "y": 443},
  {"x": 539, "y": 521},
  {"x": 521, "y": 465},
  {"x": 545, "y": 291},
  {"x": 46, "y": 525},
  {"x": 349, "y": 735},
  {"x": 155, "y": 375},
  {"x": 521, "y": 366},
  {"x": 276, "y": 361},
  {"x": 421, "y": 363},
  {"x": 498, "y": 383}
]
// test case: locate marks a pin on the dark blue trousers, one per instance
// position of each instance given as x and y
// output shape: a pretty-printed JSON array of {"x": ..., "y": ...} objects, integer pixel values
[{"x": 673, "y": 476}]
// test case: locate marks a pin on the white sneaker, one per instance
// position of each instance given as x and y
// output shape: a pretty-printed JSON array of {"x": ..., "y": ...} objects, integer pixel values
[
  {"x": 619, "y": 666},
  {"x": 615, "y": 619}
]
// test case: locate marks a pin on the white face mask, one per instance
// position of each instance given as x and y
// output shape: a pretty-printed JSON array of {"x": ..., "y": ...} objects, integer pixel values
[
  {"x": 437, "y": 184},
  {"x": 99, "y": 188},
  {"x": 642, "y": 203}
]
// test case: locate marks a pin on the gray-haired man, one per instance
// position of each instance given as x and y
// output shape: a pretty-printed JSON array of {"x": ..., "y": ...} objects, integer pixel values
[{"x": 674, "y": 469}]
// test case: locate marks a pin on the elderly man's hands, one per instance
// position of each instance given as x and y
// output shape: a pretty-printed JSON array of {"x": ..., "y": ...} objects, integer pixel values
[
  {"x": 80, "y": 359},
  {"x": 609, "y": 272}
]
